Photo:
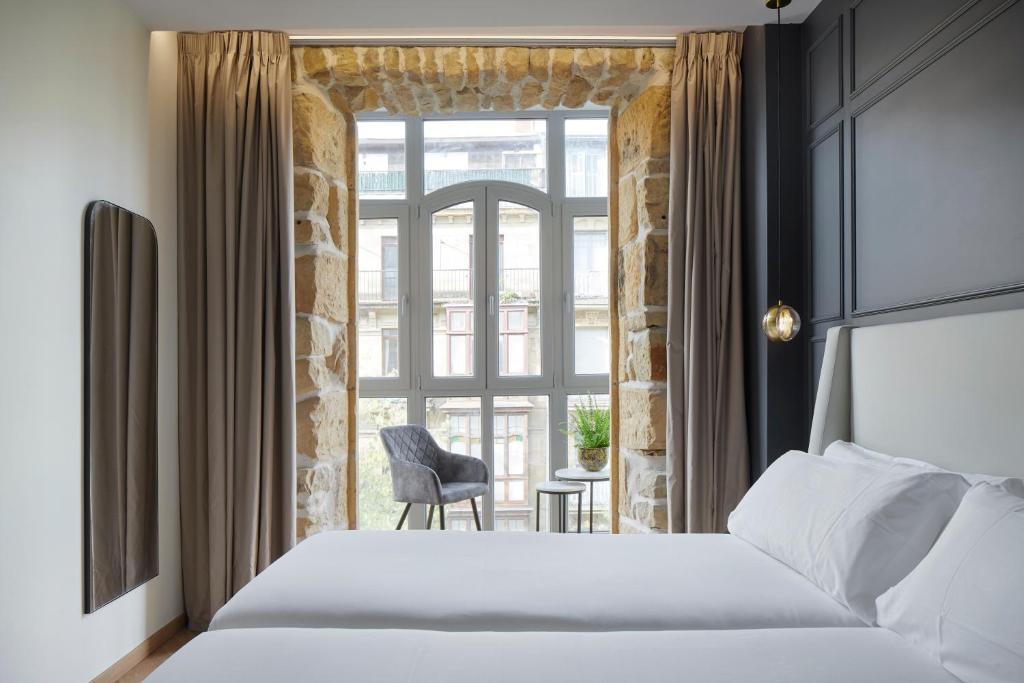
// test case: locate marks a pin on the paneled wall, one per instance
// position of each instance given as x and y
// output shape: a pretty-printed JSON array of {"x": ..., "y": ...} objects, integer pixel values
[{"x": 914, "y": 166}]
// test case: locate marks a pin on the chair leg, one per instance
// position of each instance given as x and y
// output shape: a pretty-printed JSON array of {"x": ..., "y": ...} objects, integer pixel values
[
  {"x": 442, "y": 517},
  {"x": 405, "y": 513},
  {"x": 430, "y": 517},
  {"x": 476, "y": 515}
]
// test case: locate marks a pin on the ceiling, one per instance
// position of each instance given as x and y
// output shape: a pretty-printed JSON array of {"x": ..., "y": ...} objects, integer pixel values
[{"x": 460, "y": 18}]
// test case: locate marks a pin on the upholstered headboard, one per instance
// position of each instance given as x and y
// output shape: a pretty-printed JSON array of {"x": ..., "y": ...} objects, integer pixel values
[{"x": 948, "y": 391}]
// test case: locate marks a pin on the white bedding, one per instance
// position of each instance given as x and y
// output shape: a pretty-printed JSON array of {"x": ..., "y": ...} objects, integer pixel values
[
  {"x": 836, "y": 655},
  {"x": 456, "y": 581}
]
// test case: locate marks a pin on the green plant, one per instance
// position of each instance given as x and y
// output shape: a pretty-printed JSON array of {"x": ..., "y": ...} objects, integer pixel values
[{"x": 589, "y": 424}]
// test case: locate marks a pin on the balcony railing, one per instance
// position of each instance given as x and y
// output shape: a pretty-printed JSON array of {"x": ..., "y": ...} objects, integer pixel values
[
  {"x": 393, "y": 182},
  {"x": 382, "y": 285}
]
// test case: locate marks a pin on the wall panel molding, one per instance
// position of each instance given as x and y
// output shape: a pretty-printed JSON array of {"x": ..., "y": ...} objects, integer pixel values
[
  {"x": 859, "y": 85},
  {"x": 827, "y": 53},
  {"x": 819, "y": 270}
]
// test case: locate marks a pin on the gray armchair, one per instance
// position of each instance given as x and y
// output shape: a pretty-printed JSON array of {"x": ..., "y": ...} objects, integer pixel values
[{"x": 422, "y": 472}]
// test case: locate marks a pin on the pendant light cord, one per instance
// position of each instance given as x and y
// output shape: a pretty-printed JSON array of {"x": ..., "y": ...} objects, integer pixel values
[{"x": 778, "y": 147}]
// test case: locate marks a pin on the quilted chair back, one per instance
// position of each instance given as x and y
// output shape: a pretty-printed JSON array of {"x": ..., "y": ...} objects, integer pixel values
[{"x": 410, "y": 443}]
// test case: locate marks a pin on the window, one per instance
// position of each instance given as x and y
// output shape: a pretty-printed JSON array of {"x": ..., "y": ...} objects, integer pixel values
[
  {"x": 376, "y": 508},
  {"x": 460, "y": 150},
  {"x": 483, "y": 296},
  {"x": 602, "y": 490},
  {"x": 381, "y": 151},
  {"x": 379, "y": 285},
  {"x": 586, "y": 157}
]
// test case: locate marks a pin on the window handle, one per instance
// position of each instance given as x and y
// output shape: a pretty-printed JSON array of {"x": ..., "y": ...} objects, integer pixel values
[
  {"x": 405, "y": 305},
  {"x": 490, "y": 305}
]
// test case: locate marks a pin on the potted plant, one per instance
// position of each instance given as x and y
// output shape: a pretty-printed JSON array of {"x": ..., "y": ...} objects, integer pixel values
[{"x": 589, "y": 427}]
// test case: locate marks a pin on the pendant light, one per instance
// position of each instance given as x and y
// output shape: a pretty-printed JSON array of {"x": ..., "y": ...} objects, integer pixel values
[{"x": 781, "y": 323}]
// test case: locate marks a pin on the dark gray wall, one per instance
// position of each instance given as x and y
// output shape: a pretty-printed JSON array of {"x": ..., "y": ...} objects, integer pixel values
[
  {"x": 914, "y": 143},
  {"x": 776, "y": 374}
]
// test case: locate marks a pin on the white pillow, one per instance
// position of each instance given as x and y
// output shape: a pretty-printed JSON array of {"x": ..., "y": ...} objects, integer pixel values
[
  {"x": 851, "y": 451},
  {"x": 964, "y": 603},
  {"x": 852, "y": 528}
]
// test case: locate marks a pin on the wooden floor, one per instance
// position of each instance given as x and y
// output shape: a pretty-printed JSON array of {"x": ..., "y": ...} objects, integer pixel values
[{"x": 147, "y": 665}]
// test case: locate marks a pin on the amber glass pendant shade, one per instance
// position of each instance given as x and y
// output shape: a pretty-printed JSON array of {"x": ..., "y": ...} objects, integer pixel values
[{"x": 781, "y": 323}]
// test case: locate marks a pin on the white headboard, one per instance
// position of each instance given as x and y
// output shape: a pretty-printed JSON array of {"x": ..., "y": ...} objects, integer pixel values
[{"x": 948, "y": 391}]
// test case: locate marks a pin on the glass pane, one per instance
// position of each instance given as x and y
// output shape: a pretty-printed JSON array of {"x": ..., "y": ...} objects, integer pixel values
[
  {"x": 381, "y": 159},
  {"x": 586, "y": 157},
  {"x": 602, "y": 490},
  {"x": 450, "y": 420},
  {"x": 590, "y": 294},
  {"x": 451, "y": 237},
  {"x": 377, "y": 510},
  {"x": 458, "y": 151},
  {"x": 378, "y": 297},
  {"x": 524, "y": 461},
  {"x": 519, "y": 290}
]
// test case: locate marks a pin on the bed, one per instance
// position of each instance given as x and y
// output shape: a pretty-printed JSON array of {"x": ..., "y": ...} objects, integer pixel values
[
  {"x": 836, "y": 655},
  {"x": 405, "y": 606},
  {"x": 946, "y": 391},
  {"x": 529, "y": 582}
]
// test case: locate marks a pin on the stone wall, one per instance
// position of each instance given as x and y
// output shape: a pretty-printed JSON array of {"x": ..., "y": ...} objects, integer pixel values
[
  {"x": 443, "y": 80},
  {"x": 324, "y": 149},
  {"x": 642, "y": 146},
  {"x": 330, "y": 85}
]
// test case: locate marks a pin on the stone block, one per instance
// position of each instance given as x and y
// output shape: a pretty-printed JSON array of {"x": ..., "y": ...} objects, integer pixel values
[
  {"x": 346, "y": 68},
  {"x": 310, "y": 192},
  {"x": 312, "y": 337},
  {"x": 643, "y": 128},
  {"x": 340, "y": 215},
  {"x": 652, "y": 202},
  {"x": 314, "y": 374},
  {"x": 322, "y": 426},
  {"x": 628, "y": 215},
  {"x": 312, "y": 231},
  {"x": 645, "y": 473},
  {"x": 315, "y": 64},
  {"x": 540, "y": 58},
  {"x": 337, "y": 361},
  {"x": 649, "y": 513},
  {"x": 515, "y": 63},
  {"x": 647, "y": 356},
  {"x": 642, "y": 418},
  {"x": 319, "y": 134},
  {"x": 644, "y": 276},
  {"x": 321, "y": 286}
]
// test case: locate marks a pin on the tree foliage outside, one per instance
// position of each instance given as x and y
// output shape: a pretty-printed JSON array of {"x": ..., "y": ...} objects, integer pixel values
[{"x": 377, "y": 509}]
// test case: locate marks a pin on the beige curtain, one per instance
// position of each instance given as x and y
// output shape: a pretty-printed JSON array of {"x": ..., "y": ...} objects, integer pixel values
[
  {"x": 707, "y": 439},
  {"x": 236, "y": 388}
]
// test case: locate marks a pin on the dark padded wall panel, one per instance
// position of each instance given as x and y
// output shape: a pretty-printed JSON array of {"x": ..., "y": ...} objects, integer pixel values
[
  {"x": 930, "y": 147},
  {"x": 882, "y": 30},
  {"x": 825, "y": 74},
  {"x": 825, "y": 178},
  {"x": 939, "y": 164}
]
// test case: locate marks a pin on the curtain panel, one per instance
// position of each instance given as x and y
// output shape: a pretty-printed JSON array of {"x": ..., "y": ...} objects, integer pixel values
[
  {"x": 236, "y": 395},
  {"x": 707, "y": 463}
]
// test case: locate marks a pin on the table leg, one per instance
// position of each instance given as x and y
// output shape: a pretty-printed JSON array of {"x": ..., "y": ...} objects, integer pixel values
[
  {"x": 536, "y": 512},
  {"x": 591, "y": 507},
  {"x": 579, "y": 512}
]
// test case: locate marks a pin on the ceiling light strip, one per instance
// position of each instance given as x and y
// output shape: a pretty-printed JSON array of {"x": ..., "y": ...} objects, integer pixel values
[{"x": 477, "y": 41}]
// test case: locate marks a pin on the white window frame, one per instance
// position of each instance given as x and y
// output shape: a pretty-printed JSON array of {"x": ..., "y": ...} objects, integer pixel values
[{"x": 557, "y": 380}]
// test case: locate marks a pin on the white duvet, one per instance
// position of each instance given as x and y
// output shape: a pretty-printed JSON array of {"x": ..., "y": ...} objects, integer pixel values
[
  {"x": 529, "y": 582},
  {"x": 833, "y": 655}
]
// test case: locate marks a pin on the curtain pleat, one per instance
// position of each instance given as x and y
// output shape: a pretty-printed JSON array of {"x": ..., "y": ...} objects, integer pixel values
[
  {"x": 708, "y": 466},
  {"x": 236, "y": 312}
]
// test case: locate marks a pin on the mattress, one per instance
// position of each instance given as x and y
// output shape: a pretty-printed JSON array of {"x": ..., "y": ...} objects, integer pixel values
[
  {"x": 836, "y": 655},
  {"x": 456, "y": 581}
]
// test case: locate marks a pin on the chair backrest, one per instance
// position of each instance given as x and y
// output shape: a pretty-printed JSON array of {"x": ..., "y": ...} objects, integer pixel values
[{"x": 410, "y": 443}]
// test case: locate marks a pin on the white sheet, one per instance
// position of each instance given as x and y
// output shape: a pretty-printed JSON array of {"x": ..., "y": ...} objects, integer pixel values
[
  {"x": 838, "y": 655},
  {"x": 470, "y": 581}
]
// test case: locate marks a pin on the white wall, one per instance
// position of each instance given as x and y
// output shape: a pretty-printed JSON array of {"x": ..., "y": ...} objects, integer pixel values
[{"x": 85, "y": 114}]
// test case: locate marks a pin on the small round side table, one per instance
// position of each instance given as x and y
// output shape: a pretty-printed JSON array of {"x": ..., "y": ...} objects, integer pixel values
[
  {"x": 562, "y": 490},
  {"x": 578, "y": 474}
]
